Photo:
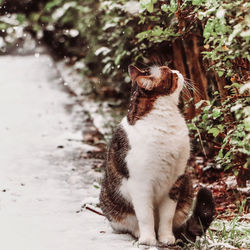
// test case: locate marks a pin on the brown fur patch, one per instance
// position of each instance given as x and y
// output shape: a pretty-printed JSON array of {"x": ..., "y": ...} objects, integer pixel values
[
  {"x": 134, "y": 72},
  {"x": 113, "y": 205},
  {"x": 117, "y": 152},
  {"x": 182, "y": 192},
  {"x": 140, "y": 104},
  {"x": 174, "y": 192}
]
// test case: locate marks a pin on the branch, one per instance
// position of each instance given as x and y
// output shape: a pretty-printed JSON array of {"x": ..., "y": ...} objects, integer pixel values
[{"x": 93, "y": 210}]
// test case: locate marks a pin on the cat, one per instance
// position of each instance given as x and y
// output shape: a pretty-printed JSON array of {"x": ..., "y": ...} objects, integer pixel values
[{"x": 145, "y": 191}]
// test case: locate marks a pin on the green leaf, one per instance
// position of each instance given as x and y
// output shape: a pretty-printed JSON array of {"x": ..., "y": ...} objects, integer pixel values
[
  {"x": 157, "y": 31},
  {"x": 107, "y": 68},
  {"x": 197, "y": 2},
  {"x": 143, "y": 35},
  {"x": 220, "y": 155},
  {"x": 148, "y": 5},
  {"x": 220, "y": 127},
  {"x": 164, "y": 7},
  {"x": 205, "y": 117},
  {"x": 21, "y": 18},
  {"x": 206, "y": 109},
  {"x": 199, "y": 104},
  {"x": 52, "y": 4},
  {"x": 170, "y": 8},
  {"x": 227, "y": 155},
  {"x": 247, "y": 123},
  {"x": 173, "y": 6},
  {"x": 208, "y": 29},
  {"x": 214, "y": 131},
  {"x": 220, "y": 73},
  {"x": 216, "y": 113},
  {"x": 119, "y": 57},
  {"x": 246, "y": 165},
  {"x": 236, "y": 172}
]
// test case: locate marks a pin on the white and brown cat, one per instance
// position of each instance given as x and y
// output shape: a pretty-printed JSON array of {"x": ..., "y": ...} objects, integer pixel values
[{"x": 145, "y": 191}]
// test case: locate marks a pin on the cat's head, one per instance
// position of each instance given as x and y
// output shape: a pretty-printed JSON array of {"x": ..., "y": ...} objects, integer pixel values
[{"x": 157, "y": 79}]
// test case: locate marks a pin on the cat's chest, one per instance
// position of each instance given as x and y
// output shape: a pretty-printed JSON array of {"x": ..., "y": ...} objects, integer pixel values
[
  {"x": 157, "y": 135},
  {"x": 155, "y": 146}
]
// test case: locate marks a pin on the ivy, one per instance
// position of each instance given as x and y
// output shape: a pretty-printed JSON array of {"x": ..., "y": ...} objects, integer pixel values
[
  {"x": 229, "y": 128},
  {"x": 226, "y": 32},
  {"x": 148, "y": 5}
]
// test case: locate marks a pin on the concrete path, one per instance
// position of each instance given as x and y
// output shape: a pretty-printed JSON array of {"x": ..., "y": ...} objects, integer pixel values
[{"x": 44, "y": 179}]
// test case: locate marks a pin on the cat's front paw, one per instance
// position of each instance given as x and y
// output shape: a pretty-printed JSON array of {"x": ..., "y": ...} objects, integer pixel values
[
  {"x": 148, "y": 241},
  {"x": 167, "y": 239},
  {"x": 136, "y": 233}
]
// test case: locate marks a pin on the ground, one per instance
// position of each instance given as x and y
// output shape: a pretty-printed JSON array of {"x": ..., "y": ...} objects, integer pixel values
[{"x": 44, "y": 177}]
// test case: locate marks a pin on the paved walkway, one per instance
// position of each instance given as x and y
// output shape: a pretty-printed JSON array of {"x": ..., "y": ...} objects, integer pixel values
[{"x": 43, "y": 178}]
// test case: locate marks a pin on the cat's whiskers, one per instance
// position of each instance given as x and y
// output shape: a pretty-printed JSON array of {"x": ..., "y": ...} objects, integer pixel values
[
  {"x": 186, "y": 94},
  {"x": 190, "y": 85},
  {"x": 186, "y": 91}
]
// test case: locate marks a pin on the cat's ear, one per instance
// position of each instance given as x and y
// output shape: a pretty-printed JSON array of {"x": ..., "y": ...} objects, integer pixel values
[
  {"x": 146, "y": 82},
  {"x": 134, "y": 72}
]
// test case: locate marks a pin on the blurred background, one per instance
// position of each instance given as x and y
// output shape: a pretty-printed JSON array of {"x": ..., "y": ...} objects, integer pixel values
[{"x": 206, "y": 40}]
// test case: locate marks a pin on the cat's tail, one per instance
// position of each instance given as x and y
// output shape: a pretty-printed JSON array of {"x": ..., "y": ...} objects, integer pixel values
[{"x": 201, "y": 218}]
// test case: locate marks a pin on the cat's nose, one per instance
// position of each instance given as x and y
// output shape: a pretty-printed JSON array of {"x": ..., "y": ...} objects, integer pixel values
[{"x": 175, "y": 72}]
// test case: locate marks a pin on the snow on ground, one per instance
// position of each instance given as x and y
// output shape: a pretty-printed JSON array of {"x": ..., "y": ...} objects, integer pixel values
[{"x": 43, "y": 179}]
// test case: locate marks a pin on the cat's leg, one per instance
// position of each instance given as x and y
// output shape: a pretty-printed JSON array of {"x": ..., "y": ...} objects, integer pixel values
[
  {"x": 145, "y": 216},
  {"x": 143, "y": 205},
  {"x": 167, "y": 207},
  {"x": 166, "y": 214}
]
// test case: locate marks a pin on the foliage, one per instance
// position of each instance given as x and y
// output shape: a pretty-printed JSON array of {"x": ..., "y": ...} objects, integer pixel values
[
  {"x": 225, "y": 128},
  {"x": 11, "y": 31},
  {"x": 224, "y": 234},
  {"x": 226, "y": 37},
  {"x": 110, "y": 34},
  {"x": 104, "y": 35},
  {"x": 223, "y": 125}
]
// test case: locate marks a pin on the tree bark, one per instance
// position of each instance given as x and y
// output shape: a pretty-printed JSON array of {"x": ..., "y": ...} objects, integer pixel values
[
  {"x": 197, "y": 75},
  {"x": 180, "y": 64}
]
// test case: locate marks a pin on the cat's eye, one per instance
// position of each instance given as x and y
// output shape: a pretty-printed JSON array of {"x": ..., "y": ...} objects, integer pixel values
[{"x": 146, "y": 73}]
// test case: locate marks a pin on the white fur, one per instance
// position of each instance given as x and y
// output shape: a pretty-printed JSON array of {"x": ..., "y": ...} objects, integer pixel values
[
  {"x": 159, "y": 152},
  {"x": 129, "y": 224},
  {"x": 155, "y": 71},
  {"x": 180, "y": 81}
]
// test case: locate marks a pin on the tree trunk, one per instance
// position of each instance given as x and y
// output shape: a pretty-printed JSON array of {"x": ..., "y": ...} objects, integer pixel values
[
  {"x": 179, "y": 62},
  {"x": 197, "y": 75}
]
